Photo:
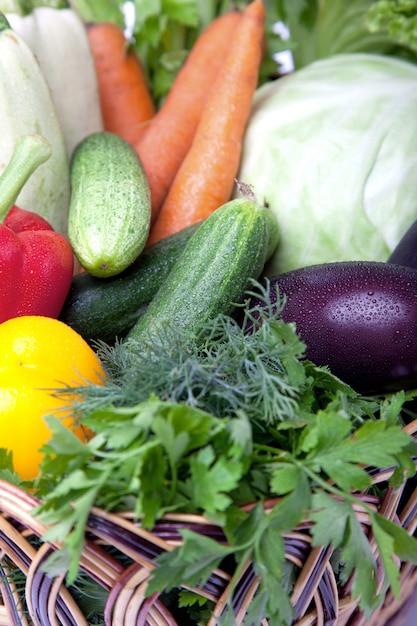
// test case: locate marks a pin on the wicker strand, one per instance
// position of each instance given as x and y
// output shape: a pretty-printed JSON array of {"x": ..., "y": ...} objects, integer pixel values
[
  {"x": 49, "y": 602},
  {"x": 12, "y": 613}
]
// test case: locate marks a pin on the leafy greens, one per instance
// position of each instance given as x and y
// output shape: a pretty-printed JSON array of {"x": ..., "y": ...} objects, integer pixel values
[
  {"x": 231, "y": 418},
  {"x": 163, "y": 31},
  {"x": 323, "y": 28},
  {"x": 397, "y": 19}
]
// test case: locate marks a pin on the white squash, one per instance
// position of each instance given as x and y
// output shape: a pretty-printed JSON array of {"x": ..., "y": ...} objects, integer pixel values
[
  {"x": 26, "y": 108},
  {"x": 58, "y": 39}
]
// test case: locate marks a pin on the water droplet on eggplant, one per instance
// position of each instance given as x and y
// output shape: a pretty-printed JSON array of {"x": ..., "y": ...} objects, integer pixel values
[{"x": 358, "y": 318}]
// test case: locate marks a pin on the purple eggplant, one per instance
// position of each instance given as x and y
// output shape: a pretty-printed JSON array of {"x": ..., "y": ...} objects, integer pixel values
[
  {"x": 359, "y": 318},
  {"x": 405, "y": 252}
]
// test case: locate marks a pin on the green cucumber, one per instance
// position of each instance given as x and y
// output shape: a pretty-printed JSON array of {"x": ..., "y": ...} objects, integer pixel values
[
  {"x": 107, "y": 308},
  {"x": 110, "y": 207},
  {"x": 228, "y": 250}
]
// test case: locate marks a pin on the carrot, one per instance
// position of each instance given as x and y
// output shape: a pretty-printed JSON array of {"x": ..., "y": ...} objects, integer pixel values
[
  {"x": 170, "y": 134},
  {"x": 126, "y": 101},
  {"x": 206, "y": 177}
]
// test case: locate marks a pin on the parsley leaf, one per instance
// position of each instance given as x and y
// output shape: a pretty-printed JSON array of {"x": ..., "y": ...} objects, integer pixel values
[
  {"x": 335, "y": 523},
  {"x": 340, "y": 456},
  {"x": 193, "y": 561},
  {"x": 210, "y": 479}
]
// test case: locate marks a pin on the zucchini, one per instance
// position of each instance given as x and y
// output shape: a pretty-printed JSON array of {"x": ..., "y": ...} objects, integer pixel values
[
  {"x": 107, "y": 308},
  {"x": 71, "y": 76},
  {"x": 228, "y": 250},
  {"x": 110, "y": 208},
  {"x": 27, "y": 108}
]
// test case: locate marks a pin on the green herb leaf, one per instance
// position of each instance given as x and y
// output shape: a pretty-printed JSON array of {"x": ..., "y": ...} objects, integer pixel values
[
  {"x": 193, "y": 562},
  {"x": 336, "y": 524},
  {"x": 331, "y": 449},
  {"x": 64, "y": 441},
  {"x": 395, "y": 18},
  {"x": 72, "y": 526},
  {"x": 322, "y": 29},
  {"x": 404, "y": 545},
  {"x": 285, "y": 478},
  {"x": 152, "y": 485},
  {"x": 103, "y": 11},
  {"x": 7, "y": 469},
  {"x": 211, "y": 479},
  {"x": 385, "y": 545},
  {"x": 375, "y": 444}
]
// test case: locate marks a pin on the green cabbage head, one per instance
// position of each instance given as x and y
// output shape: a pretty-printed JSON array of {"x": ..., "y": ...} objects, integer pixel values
[{"x": 332, "y": 148}]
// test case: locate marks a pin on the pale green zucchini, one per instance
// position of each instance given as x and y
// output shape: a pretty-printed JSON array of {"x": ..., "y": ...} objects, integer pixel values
[
  {"x": 58, "y": 38},
  {"x": 27, "y": 108},
  {"x": 110, "y": 208}
]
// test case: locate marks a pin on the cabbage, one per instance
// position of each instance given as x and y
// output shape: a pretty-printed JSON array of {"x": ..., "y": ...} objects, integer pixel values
[{"x": 332, "y": 148}]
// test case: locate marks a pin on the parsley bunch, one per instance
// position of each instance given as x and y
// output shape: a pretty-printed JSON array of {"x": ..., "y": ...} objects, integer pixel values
[{"x": 206, "y": 424}]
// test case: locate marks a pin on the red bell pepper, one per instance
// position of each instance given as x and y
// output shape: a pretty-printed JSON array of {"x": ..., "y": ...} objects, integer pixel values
[{"x": 36, "y": 263}]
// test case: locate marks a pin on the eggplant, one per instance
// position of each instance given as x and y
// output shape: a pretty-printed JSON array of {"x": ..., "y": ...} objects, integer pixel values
[
  {"x": 359, "y": 318},
  {"x": 405, "y": 252}
]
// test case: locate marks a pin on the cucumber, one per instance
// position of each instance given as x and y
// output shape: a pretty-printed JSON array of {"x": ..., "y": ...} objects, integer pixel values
[
  {"x": 110, "y": 207},
  {"x": 211, "y": 275},
  {"x": 107, "y": 308}
]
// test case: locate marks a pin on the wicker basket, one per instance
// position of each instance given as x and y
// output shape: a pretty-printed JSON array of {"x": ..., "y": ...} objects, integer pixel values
[{"x": 119, "y": 556}]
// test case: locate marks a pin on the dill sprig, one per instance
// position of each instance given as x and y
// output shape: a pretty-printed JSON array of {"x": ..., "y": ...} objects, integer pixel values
[{"x": 226, "y": 369}]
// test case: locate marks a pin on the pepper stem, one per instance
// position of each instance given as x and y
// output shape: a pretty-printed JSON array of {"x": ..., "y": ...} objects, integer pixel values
[{"x": 29, "y": 152}]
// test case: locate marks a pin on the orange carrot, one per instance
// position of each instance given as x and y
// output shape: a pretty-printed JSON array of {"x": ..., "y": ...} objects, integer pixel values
[
  {"x": 126, "y": 102},
  {"x": 206, "y": 177},
  {"x": 170, "y": 134}
]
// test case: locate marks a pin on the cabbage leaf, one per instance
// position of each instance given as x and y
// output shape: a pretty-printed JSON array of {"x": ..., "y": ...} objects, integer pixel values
[{"x": 332, "y": 148}]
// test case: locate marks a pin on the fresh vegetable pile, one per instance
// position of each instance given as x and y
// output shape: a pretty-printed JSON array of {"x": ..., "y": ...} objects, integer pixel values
[{"x": 208, "y": 282}]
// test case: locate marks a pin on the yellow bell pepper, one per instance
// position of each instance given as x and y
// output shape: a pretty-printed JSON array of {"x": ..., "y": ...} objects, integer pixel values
[{"x": 37, "y": 356}]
